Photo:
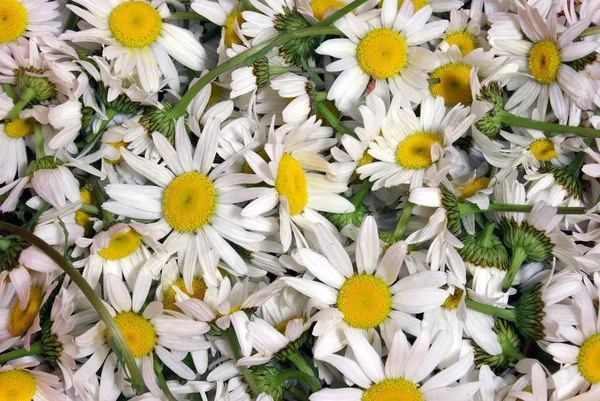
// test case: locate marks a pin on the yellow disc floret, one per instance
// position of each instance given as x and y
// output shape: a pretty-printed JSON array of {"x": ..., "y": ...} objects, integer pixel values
[
  {"x": 19, "y": 127},
  {"x": 543, "y": 150},
  {"x": 365, "y": 301},
  {"x": 320, "y": 7},
  {"x": 382, "y": 53},
  {"x": 17, "y": 385},
  {"x": 13, "y": 20},
  {"x": 393, "y": 390},
  {"x": 281, "y": 327},
  {"x": 544, "y": 61},
  {"x": 291, "y": 183},
  {"x": 229, "y": 35},
  {"x": 83, "y": 218},
  {"x": 138, "y": 332},
  {"x": 470, "y": 189},
  {"x": 366, "y": 159},
  {"x": 418, "y": 4},
  {"x": 453, "y": 300},
  {"x": 414, "y": 152},
  {"x": 454, "y": 85},
  {"x": 463, "y": 40},
  {"x": 135, "y": 24},
  {"x": 588, "y": 359},
  {"x": 121, "y": 245},
  {"x": 189, "y": 202},
  {"x": 118, "y": 146},
  {"x": 21, "y": 320},
  {"x": 198, "y": 290}
]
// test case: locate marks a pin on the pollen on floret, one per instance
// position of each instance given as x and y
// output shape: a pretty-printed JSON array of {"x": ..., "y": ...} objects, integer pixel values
[
  {"x": 588, "y": 359},
  {"x": 414, "y": 152},
  {"x": 138, "y": 332},
  {"x": 198, "y": 290},
  {"x": 121, "y": 245},
  {"x": 543, "y": 150},
  {"x": 470, "y": 189},
  {"x": 230, "y": 36},
  {"x": 382, "y": 53},
  {"x": 17, "y": 385},
  {"x": 544, "y": 61},
  {"x": 135, "y": 24},
  {"x": 365, "y": 301},
  {"x": 454, "y": 299},
  {"x": 19, "y": 127},
  {"x": 454, "y": 85},
  {"x": 291, "y": 183},
  {"x": 21, "y": 320},
  {"x": 392, "y": 390},
  {"x": 463, "y": 40},
  {"x": 320, "y": 7},
  {"x": 13, "y": 20}
]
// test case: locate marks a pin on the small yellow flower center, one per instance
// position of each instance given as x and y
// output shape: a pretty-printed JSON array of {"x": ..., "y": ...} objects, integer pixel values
[
  {"x": 463, "y": 40},
  {"x": 83, "y": 218},
  {"x": 454, "y": 85},
  {"x": 418, "y": 4},
  {"x": 21, "y": 320},
  {"x": 365, "y": 301},
  {"x": 13, "y": 20},
  {"x": 291, "y": 183},
  {"x": 281, "y": 327},
  {"x": 135, "y": 24},
  {"x": 543, "y": 150},
  {"x": 246, "y": 169},
  {"x": 19, "y": 127},
  {"x": 233, "y": 309},
  {"x": 588, "y": 359},
  {"x": 118, "y": 146},
  {"x": 320, "y": 7},
  {"x": 393, "y": 390},
  {"x": 189, "y": 202},
  {"x": 198, "y": 290},
  {"x": 453, "y": 300},
  {"x": 414, "y": 152},
  {"x": 229, "y": 35},
  {"x": 365, "y": 159},
  {"x": 544, "y": 61},
  {"x": 470, "y": 189},
  {"x": 138, "y": 332},
  {"x": 382, "y": 53},
  {"x": 121, "y": 245},
  {"x": 17, "y": 385}
]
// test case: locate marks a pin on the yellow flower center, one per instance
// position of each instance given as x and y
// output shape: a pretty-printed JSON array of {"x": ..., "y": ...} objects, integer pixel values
[
  {"x": 414, "y": 152},
  {"x": 138, "y": 332},
  {"x": 198, "y": 290},
  {"x": 19, "y": 127},
  {"x": 468, "y": 190},
  {"x": 17, "y": 385},
  {"x": 291, "y": 183},
  {"x": 454, "y": 85},
  {"x": 382, "y": 53},
  {"x": 393, "y": 390},
  {"x": 121, "y": 245},
  {"x": 135, "y": 24},
  {"x": 419, "y": 4},
  {"x": 13, "y": 20},
  {"x": 543, "y": 150},
  {"x": 82, "y": 218},
  {"x": 229, "y": 35},
  {"x": 21, "y": 320},
  {"x": 365, "y": 301},
  {"x": 189, "y": 202},
  {"x": 453, "y": 300},
  {"x": 463, "y": 40},
  {"x": 246, "y": 169},
  {"x": 588, "y": 359},
  {"x": 365, "y": 159},
  {"x": 281, "y": 327},
  {"x": 544, "y": 61},
  {"x": 320, "y": 7},
  {"x": 118, "y": 146}
]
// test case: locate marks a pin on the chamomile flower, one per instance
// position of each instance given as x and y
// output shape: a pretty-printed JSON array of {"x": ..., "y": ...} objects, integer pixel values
[
  {"x": 386, "y": 50},
  {"x": 13, "y": 142},
  {"x": 19, "y": 382},
  {"x": 410, "y": 149},
  {"x": 27, "y": 18},
  {"x": 138, "y": 38},
  {"x": 463, "y": 32},
  {"x": 543, "y": 59}
]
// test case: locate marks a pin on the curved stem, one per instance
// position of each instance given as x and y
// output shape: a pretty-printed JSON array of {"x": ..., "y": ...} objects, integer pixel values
[
  {"x": 187, "y": 15},
  {"x": 39, "y": 142},
  {"x": 590, "y": 31},
  {"x": 110, "y": 114},
  {"x": 506, "y": 314},
  {"x": 35, "y": 349},
  {"x": 578, "y": 160},
  {"x": 549, "y": 129},
  {"x": 518, "y": 257},
  {"x": 363, "y": 191},
  {"x": 300, "y": 363},
  {"x": 298, "y": 394},
  {"x": 335, "y": 123},
  {"x": 27, "y": 96},
  {"x": 237, "y": 353},
  {"x": 97, "y": 304},
  {"x": 403, "y": 221},
  {"x": 471, "y": 208},
  {"x": 486, "y": 240},
  {"x": 339, "y": 14},
  {"x": 296, "y": 374},
  {"x": 162, "y": 383},
  {"x": 8, "y": 89}
]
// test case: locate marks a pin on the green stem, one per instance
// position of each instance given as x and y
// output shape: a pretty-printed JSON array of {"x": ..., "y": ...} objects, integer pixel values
[
  {"x": 471, "y": 208},
  {"x": 107, "y": 217},
  {"x": 403, "y": 221},
  {"x": 589, "y": 32},
  {"x": 162, "y": 383},
  {"x": 486, "y": 240},
  {"x": 296, "y": 374},
  {"x": 27, "y": 96},
  {"x": 339, "y": 14},
  {"x": 36, "y": 216},
  {"x": 481, "y": 220},
  {"x": 300, "y": 396},
  {"x": 363, "y": 191},
  {"x": 321, "y": 96},
  {"x": 110, "y": 114},
  {"x": 578, "y": 160},
  {"x": 71, "y": 21},
  {"x": 518, "y": 257},
  {"x": 90, "y": 294},
  {"x": 39, "y": 142},
  {"x": 335, "y": 123},
  {"x": 275, "y": 69},
  {"x": 511, "y": 352},
  {"x": 35, "y": 349},
  {"x": 506, "y": 314},
  {"x": 90, "y": 209},
  {"x": 549, "y": 129},
  {"x": 8, "y": 89},
  {"x": 237, "y": 353},
  {"x": 187, "y": 15},
  {"x": 298, "y": 360},
  {"x": 179, "y": 109}
]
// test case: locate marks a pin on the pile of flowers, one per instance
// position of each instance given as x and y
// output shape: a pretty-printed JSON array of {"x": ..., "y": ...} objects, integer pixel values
[{"x": 324, "y": 200}]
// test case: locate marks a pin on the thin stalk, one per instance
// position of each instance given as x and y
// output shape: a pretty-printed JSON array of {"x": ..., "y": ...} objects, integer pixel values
[
  {"x": 187, "y": 15},
  {"x": 296, "y": 392},
  {"x": 298, "y": 360},
  {"x": 110, "y": 114},
  {"x": 403, "y": 221},
  {"x": 321, "y": 96},
  {"x": 39, "y": 142},
  {"x": 589, "y": 32},
  {"x": 90, "y": 294},
  {"x": 511, "y": 351},
  {"x": 339, "y": 14},
  {"x": 335, "y": 123},
  {"x": 518, "y": 257},
  {"x": 71, "y": 21},
  {"x": 275, "y": 69},
  {"x": 549, "y": 129},
  {"x": 90, "y": 209},
  {"x": 179, "y": 109},
  {"x": 237, "y": 353},
  {"x": 486, "y": 240},
  {"x": 35, "y": 349},
  {"x": 162, "y": 383},
  {"x": 36, "y": 216},
  {"x": 107, "y": 217},
  {"x": 296, "y": 374},
  {"x": 578, "y": 160},
  {"x": 363, "y": 191},
  {"x": 471, "y": 208},
  {"x": 8, "y": 89},
  {"x": 27, "y": 96},
  {"x": 506, "y": 314}
]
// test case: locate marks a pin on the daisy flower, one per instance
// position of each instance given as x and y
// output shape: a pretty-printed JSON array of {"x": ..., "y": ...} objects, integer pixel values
[
  {"x": 21, "y": 383},
  {"x": 386, "y": 49},
  {"x": 14, "y": 139},
  {"x": 367, "y": 296},
  {"x": 148, "y": 334},
  {"x": 138, "y": 38},
  {"x": 406, "y": 372},
  {"x": 544, "y": 74},
  {"x": 410, "y": 149},
  {"x": 194, "y": 202},
  {"x": 463, "y": 32},
  {"x": 27, "y": 18}
]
